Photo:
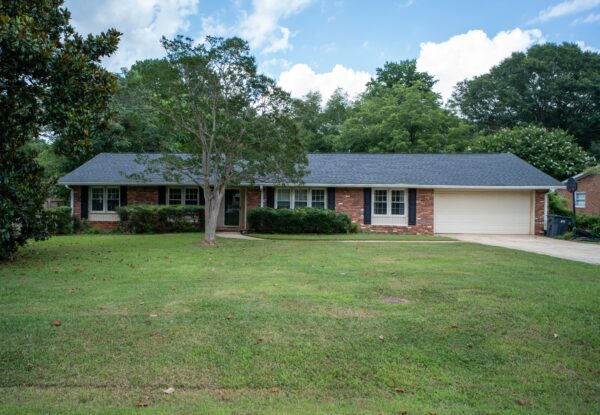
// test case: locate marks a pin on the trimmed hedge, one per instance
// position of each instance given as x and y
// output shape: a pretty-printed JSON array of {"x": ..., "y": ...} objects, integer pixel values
[
  {"x": 60, "y": 221},
  {"x": 159, "y": 219},
  {"x": 306, "y": 220}
]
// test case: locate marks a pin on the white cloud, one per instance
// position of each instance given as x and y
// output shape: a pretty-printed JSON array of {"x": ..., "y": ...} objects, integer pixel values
[
  {"x": 590, "y": 18},
  {"x": 471, "y": 54},
  {"x": 565, "y": 8},
  {"x": 301, "y": 79},
  {"x": 142, "y": 22},
  {"x": 261, "y": 27},
  {"x": 585, "y": 47}
]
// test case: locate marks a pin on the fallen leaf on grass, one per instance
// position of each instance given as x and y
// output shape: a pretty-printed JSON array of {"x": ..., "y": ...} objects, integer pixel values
[
  {"x": 275, "y": 389},
  {"x": 56, "y": 323},
  {"x": 470, "y": 345},
  {"x": 153, "y": 315},
  {"x": 72, "y": 290},
  {"x": 381, "y": 338},
  {"x": 454, "y": 325},
  {"x": 141, "y": 303},
  {"x": 259, "y": 341},
  {"x": 404, "y": 411},
  {"x": 399, "y": 389},
  {"x": 169, "y": 391},
  {"x": 141, "y": 404},
  {"x": 520, "y": 402},
  {"x": 103, "y": 307},
  {"x": 229, "y": 316}
]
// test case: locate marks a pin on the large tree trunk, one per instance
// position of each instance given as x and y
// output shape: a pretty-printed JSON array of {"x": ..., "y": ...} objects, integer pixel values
[{"x": 211, "y": 215}]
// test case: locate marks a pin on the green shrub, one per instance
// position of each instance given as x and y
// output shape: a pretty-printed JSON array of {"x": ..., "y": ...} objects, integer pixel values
[
  {"x": 159, "y": 219},
  {"x": 306, "y": 220},
  {"x": 60, "y": 221}
]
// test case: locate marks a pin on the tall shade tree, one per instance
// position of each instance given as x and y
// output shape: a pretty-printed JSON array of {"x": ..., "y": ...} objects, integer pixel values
[
  {"x": 404, "y": 73},
  {"x": 553, "y": 86},
  {"x": 553, "y": 152},
  {"x": 52, "y": 85},
  {"x": 236, "y": 125},
  {"x": 402, "y": 119}
]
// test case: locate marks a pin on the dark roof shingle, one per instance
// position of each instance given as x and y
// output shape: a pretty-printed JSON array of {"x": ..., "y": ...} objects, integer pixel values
[{"x": 351, "y": 169}]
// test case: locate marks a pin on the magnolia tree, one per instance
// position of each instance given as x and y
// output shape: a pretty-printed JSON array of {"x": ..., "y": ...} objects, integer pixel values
[{"x": 236, "y": 125}]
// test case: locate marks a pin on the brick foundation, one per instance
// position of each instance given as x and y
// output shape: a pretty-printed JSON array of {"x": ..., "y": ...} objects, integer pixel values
[{"x": 108, "y": 226}]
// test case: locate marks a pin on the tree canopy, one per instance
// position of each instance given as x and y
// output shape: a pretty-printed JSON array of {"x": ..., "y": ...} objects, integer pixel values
[
  {"x": 236, "y": 124},
  {"x": 554, "y": 152},
  {"x": 553, "y": 86},
  {"x": 51, "y": 85}
]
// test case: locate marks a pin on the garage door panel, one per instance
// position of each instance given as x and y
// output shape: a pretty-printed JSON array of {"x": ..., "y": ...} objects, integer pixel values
[{"x": 482, "y": 212}]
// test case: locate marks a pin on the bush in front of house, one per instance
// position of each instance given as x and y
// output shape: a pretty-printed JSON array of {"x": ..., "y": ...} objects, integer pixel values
[
  {"x": 560, "y": 205},
  {"x": 60, "y": 221},
  {"x": 159, "y": 219},
  {"x": 306, "y": 220}
]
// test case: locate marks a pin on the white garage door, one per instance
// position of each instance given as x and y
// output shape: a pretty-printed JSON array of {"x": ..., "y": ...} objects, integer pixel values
[{"x": 482, "y": 212}]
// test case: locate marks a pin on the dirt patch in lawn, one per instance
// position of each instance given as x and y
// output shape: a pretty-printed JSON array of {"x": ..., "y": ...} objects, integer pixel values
[{"x": 394, "y": 300}]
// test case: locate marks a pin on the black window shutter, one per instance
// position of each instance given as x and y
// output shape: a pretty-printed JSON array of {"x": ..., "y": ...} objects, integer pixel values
[
  {"x": 367, "y": 213},
  {"x": 271, "y": 197},
  {"x": 123, "y": 195},
  {"x": 162, "y": 195},
  {"x": 84, "y": 192},
  {"x": 331, "y": 198},
  {"x": 412, "y": 206},
  {"x": 201, "y": 196}
]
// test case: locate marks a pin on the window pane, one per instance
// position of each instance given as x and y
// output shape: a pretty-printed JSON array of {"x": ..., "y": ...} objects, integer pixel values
[
  {"x": 112, "y": 199},
  {"x": 397, "y": 202},
  {"x": 300, "y": 198},
  {"x": 318, "y": 198},
  {"x": 97, "y": 199},
  {"x": 283, "y": 198},
  {"x": 174, "y": 196},
  {"x": 191, "y": 196},
  {"x": 580, "y": 199},
  {"x": 380, "y": 202}
]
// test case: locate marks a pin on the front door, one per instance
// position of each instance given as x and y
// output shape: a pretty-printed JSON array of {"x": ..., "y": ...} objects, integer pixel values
[{"x": 232, "y": 207}]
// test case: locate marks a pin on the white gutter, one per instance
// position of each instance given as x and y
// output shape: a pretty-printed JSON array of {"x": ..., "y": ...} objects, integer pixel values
[{"x": 360, "y": 185}]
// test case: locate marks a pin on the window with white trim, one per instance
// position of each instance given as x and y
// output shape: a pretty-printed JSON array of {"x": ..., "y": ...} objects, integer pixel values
[
  {"x": 191, "y": 196},
  {"x": 389, "y": 202},
  {"x": 580, "y": 199},
  {"x": 184, "y": 196},
  {"x": 105, "y": 199},
  {"x": 300, "y": 198},
  {"x": 174, "y": 196}
]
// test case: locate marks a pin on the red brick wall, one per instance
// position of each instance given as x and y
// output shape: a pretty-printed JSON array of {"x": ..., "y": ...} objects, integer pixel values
[
  {"x": 109, "y": 226},
  {"x": 351, "y": 202},
  {"x": 540, "y": 200},
  {"x": 591, "y": 186},
  {"x": 142, "y": 195},
  {"x": 253, "y": 197},
  {"x": 77, "y": 201}
]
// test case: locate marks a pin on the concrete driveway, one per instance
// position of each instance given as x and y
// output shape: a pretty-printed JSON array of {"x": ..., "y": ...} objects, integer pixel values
[{"x": 576, "y": 251}]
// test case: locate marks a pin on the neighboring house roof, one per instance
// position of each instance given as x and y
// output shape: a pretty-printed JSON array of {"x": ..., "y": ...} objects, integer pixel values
[
  {"x": 351, "y": 169},
  {"x": 582, "y": 175}
]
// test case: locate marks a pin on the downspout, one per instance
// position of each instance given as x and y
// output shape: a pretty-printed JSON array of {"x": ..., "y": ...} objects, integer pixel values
[
  {"x": 546, "y": 208},
  {"x": 71, "y": 199},
  {"x": 262, "y": 202}
]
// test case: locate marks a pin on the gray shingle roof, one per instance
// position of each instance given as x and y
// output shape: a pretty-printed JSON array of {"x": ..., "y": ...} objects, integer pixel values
[{"x": 351, "y": 169}]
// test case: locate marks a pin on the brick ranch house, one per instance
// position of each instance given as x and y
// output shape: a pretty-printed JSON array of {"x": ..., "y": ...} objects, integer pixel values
[
  {"x": 587, "y": 196},
  {"x": 405, "y": 193}
]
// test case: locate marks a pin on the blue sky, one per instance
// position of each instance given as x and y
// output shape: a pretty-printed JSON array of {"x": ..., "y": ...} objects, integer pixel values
[{"x": 321, "y": 45}]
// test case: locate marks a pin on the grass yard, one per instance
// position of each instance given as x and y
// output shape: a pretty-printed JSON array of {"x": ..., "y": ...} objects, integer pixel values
[
  {"x": 360, "y": 236},
  {"x": 466, "y": 329}
]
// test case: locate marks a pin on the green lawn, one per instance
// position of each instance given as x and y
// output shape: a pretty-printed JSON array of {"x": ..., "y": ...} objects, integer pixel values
[
  {"x": 142, "y": 313},
  {"x": 360, "y": 236}
]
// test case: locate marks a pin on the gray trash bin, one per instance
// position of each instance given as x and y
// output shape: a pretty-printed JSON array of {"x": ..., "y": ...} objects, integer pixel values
[{"x": 558, "y": 225}]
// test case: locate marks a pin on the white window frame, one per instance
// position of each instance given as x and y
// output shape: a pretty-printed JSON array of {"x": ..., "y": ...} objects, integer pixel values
[
  {"x": 388, "y": 212},
  {"x": 580, "y": 204},
  {"x": 104, "y": 199},
  {"x": 293, "y": 196},
  {"x": 183, "y": 190}
]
